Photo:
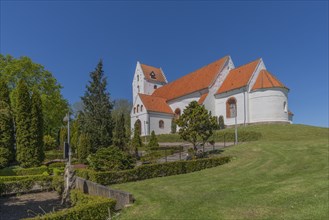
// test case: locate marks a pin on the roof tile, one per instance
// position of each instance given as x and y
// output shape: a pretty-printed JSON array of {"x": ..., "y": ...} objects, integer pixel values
[
  {"x": 158, "y": 75},
  {"x": 155, "y": 104},
  {"x": 267, "y": 80},
  {"x": 192, "y": 82},
  {"x": 238, "y": 77}
]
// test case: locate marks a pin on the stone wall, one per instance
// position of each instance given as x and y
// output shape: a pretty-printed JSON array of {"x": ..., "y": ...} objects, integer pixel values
[{"x": 123, "y": 198}]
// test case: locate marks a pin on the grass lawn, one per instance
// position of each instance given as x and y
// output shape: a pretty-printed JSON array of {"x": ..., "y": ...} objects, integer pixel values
[{"x": 282, "y": 176}]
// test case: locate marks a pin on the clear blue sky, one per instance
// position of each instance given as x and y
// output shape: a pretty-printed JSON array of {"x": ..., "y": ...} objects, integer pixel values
[{"x": 69, "y": 38}]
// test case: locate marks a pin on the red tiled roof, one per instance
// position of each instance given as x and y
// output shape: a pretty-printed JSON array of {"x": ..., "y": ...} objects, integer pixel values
[
  {"x": 158, "y": 76},
  {"x": 192, "y": 82},
  {"x": 238, "y": 77},
  {"x": 155, "y": 104},
  {"x": 202, "y": 98},
  {"x": 267, "y": 80}
]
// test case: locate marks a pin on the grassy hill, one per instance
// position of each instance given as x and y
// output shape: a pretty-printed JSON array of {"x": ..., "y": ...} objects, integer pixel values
[{"x": 282, "y": 176}]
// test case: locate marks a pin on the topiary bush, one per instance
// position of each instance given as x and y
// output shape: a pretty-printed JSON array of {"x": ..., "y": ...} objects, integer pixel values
[{"x": 111, "y": 158}]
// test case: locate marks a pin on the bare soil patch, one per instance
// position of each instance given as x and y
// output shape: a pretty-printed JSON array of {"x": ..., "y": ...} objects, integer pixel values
[{"x": 28, "y": 205}]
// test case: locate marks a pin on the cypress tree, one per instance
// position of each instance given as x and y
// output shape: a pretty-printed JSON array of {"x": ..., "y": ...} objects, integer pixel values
[
  {"x": 119, "y": 134},
  {"x": 221, "y": 124},
  {"x": 96, "y": 118},
  {"x": 24, "y": 153},
  {"x": 136, "y": 141},
  {"x": 173, "y": 126},
  {"x": 84, "y": 147},
  {"x": 7, "y": 138},
  {"x": 153, "y": 143},
  {"x": 36, "y": 129}
]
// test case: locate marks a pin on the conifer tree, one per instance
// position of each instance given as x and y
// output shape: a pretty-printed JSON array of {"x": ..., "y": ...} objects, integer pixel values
[
  {"x": 24, "y": 153},
  {"x": 96, "y": 118},
  {"x": 7, "y": 138},
  {"x": 136, "y": 141},
  {"x": 36, "y": 142},
  {"x": 221, "y": 124},
  {"x": 153, "y": 143},
  {"x": 84, "y": 147},
  {"x": 119, "y": 134},
  {"x": 173, "y": 126}
]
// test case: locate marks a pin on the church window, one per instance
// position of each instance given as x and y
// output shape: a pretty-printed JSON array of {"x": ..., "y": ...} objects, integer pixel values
[
  {"x": 177, "y": 113},
  {"x": 137, "y": 77},
  {"x": 285, "y": 107},
  {"x": 155, "y": 87},
  {"x": 134, "y": 110},
  {"x": 137, "y": 108},
  {"x": 161, "y": 124},
  {"x": 231, "y": 108},
  {"x": 142, "y": 108},
  {"x": 138, "y": 88},
  {"x": 152, "y": 74}
]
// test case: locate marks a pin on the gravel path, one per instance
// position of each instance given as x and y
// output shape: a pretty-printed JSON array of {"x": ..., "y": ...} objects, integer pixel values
[{"x": 27, "y": 205}]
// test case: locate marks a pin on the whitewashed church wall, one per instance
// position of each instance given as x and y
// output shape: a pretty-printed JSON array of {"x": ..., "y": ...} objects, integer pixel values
[
  {"x": 184, "y": 101},
  {"x": 154, "y": 123},
  {"x": 142, "y": 115},
  {"x": 138, "y": 80},
  {"x": 242, "y": 110},
  {"x": 209, "y": 102},
  {"x": 149, "y": 87},
  {"x": 269, "y": 105}
]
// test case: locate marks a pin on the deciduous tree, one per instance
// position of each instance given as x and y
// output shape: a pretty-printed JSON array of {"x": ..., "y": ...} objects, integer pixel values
[{"x": 196, "y": 124}]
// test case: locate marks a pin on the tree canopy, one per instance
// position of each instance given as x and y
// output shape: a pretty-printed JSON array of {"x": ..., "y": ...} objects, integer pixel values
[
  {"x": 196, "y": 124},
  {"x": 36, "y": 78}
]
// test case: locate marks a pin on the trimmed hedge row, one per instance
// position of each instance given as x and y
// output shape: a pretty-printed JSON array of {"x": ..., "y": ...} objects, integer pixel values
[
  {"x": 18, "y": 178},
  {"x": 243, "y": 136},
  {"x": 84, "y": 207},
  {"x": 54, "y": 154},
  {"x": 9, "y": 171},
  {"x": 151, "y": 171},
  {"x": 21, "y": 184}
]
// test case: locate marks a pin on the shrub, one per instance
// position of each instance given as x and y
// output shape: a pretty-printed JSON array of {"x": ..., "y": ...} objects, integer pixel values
[
  {"x": 151, "y": 171},
  {"x": 153, "y": 143},
  {"x": 221, "y": 124},
  {"x": 84, "y": 207},
  {"x": 57, "y": 184},
  {"x": 54, "y": 154},
  {"x": 111, "y": 158},
  {"x": 49, "y": 142},
  {"x": 12, "y": 171},
  {"x": 25, "y": 184},
  {"x": 4, "y": 157}
]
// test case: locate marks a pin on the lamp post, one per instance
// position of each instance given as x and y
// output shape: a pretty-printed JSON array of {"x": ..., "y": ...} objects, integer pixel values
[
  {"x": 236, "y": 127},
  {"x": 67, "y": 119}
]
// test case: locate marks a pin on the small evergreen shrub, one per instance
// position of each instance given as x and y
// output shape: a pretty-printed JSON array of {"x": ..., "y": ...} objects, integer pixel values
[
  {"x": 49, "y": 142},
  {"x": 111, "y": 158},
  {"x": 54, "y": 154},
  {"x": 4, "y": 157},
  {"x": 153, "y": 143}
]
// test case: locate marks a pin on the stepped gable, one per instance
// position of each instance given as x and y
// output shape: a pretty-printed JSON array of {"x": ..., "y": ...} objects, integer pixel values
[
  {"x": 192, "y": 82},
  {"x": 153, "y": 73},
  {"x": 266, "y": 80},
  {"x": 155, "y": 104},
  {"x": 238, "y": 77}
]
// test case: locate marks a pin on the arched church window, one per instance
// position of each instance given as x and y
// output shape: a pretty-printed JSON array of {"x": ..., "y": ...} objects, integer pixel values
[
  {"x": 138, "y": 88},
  {"x": 152, "y": 74},
  {"x": 137, "y": 108},
  {"x": 155, "y": 87},
  {"x": 134, "y": 110},
  {"x": 285, "y": 107},
  {"x": 161, "y": 124},
  {"x": 177, "y": 113},
  {"x": 231, "y": 108},
  {"x": 137, "y": 77},
  {"x": 142, "y": 108}
]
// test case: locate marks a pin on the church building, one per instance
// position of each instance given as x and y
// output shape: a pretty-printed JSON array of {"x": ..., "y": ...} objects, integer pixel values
[{"x": 249, "y": 92}]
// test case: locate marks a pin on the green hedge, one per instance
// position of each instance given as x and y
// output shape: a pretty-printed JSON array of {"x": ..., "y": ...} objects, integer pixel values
[
  {"x": 85, "y": 207},
  {"x": 24, "y": 184},
  {"x": 151, "y": 171},
  {"x": 17, "y": 171},
  {"x": 243, "y": 136},
  {"x": 54, "y": 154},
  {"x": 18, "y": 178}
]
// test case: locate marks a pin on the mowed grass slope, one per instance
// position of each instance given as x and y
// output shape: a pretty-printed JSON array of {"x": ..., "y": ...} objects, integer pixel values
[{"x": 282, "y": 176}]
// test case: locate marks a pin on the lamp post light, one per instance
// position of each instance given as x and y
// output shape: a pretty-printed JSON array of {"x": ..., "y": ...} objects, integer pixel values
[{"x": 67, "y": 119}]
